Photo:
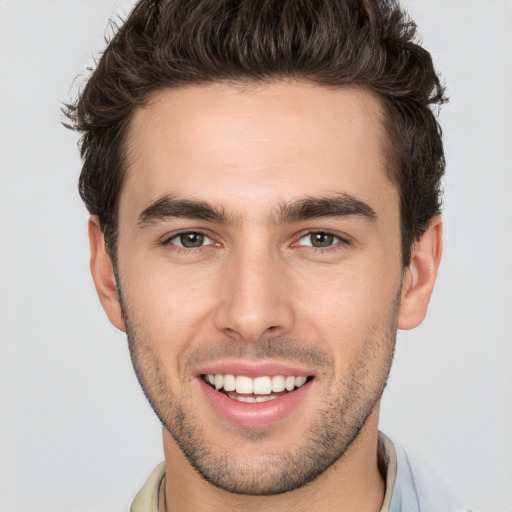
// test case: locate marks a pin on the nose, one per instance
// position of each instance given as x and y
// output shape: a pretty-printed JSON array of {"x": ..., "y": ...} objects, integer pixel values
[{"x": 255, "y": 299}]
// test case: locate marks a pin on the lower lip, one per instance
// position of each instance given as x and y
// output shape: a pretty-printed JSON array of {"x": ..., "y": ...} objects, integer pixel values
[{"x": 258, "y": 414}]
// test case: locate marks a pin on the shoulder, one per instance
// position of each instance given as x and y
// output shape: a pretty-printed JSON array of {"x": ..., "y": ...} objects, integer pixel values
[
  {"x": 146, "y": 499},
  {"x": 416, "y": 487}
]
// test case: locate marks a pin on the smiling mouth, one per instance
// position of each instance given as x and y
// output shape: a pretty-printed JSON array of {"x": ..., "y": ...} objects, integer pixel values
[{"x": 252, "y": 390}]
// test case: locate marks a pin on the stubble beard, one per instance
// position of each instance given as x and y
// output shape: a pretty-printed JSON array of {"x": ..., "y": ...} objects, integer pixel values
[{"x": 336, "y": 423}]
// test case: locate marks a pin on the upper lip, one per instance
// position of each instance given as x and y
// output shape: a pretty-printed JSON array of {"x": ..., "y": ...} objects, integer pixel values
[{"x": 255, "y": 369}]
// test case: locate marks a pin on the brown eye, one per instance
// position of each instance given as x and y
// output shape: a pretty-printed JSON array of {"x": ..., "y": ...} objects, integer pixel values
[
  {"x": 322, "y": 239},
  {"x": 191, "y": 240},
  {"x": 319, "y": 240}
]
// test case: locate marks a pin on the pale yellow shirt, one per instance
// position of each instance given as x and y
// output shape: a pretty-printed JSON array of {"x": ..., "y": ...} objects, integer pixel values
[{"x": 147, "y": 498}]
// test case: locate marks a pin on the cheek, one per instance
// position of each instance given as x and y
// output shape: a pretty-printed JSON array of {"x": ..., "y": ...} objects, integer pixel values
[
  {"x": 348, "y": 305},
  {"x": 170, "y": 305}
]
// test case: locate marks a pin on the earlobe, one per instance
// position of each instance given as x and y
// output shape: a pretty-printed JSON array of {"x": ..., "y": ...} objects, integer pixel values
[
  {"x": 102, "y": 272},
  {"x": 420, "y": 276}
]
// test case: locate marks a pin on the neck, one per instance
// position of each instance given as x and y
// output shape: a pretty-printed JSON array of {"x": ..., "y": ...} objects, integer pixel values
[{"x": 353, "y": 482}]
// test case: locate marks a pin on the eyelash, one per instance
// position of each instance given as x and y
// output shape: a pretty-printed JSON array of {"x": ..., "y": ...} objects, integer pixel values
[
  {"x": 338, "y": 242},
  {"x": 168, "y": 242}
]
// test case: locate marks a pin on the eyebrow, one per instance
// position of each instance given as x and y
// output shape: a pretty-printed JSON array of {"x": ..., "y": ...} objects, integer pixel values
[
  {"x": 339, "y": 205},
  {"x": 169, "y": 207}
]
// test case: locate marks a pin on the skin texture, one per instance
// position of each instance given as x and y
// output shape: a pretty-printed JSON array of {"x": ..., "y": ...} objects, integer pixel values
[{"x": 255, "y": 289}]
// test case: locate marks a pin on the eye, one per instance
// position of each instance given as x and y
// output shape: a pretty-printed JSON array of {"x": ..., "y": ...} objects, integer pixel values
[
  {"x": 320, "y": 240},
  {"x": 190, "y": 240}
]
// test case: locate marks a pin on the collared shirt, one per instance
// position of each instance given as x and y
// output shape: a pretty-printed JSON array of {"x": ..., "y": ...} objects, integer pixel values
[{"x": 410, "y": 487}]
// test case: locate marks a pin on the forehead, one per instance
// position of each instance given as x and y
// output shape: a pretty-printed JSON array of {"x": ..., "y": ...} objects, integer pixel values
[{"x": 248, "y": 147}]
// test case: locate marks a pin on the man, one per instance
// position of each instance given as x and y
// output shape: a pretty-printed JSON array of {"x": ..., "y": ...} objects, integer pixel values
[{"x": 263, "y": 180}]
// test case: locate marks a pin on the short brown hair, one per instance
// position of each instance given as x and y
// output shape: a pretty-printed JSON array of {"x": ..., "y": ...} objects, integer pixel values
[{"x": 334, "y": 43}]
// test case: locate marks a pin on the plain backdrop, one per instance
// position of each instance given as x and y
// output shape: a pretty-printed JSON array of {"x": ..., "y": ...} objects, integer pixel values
[{"x": 76, "y": 433}]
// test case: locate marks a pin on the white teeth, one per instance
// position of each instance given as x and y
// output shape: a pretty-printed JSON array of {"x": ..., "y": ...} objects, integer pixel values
[
  {"x": 252, "y": 399},
  {"x": 243, "y": 384},
  {"x": 265, "y": 398},
  {"x": 247, "y": 399},
  {"x": 289, "y": 383},
  {"x": 262, "y": 386},
  {"x": 229, "y": 382},
  {"x": 277, "y": 383},
  {"x": 300, "y": 381},
  {"x": 259, "y": 386}
]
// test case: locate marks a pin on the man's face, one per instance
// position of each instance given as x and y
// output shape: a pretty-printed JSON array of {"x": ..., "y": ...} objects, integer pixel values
[{"x": 259, "y": 241}]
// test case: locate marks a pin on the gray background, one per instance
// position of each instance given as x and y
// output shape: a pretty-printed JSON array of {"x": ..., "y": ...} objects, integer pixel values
[{"x": 75, "y": 430}]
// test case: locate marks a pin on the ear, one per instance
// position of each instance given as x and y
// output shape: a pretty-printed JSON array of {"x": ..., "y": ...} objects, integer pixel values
[
  {"x": 102, "y": 272},
  {"x": 420, "y": 276}
]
